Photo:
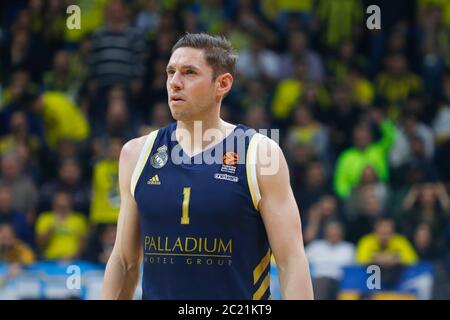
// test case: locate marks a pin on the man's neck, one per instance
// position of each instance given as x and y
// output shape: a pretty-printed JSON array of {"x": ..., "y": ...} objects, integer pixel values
[{"x": 196, "y": 141}]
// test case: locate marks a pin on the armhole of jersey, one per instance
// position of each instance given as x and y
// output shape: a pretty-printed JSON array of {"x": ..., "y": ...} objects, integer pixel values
[
  {"x": 145, "y": 153},
  {"x": 250, "y": 165}
]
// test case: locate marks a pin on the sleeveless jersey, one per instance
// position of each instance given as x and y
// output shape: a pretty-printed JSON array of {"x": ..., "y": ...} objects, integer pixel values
[{"x": 202, "y": 235}]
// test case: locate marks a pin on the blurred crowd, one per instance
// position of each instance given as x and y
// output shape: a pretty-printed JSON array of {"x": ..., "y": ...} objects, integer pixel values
[{"x": 364, "y": 119}]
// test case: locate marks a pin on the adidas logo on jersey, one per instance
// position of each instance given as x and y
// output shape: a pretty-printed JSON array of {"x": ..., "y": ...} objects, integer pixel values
[{"x": 154, "y": 180}]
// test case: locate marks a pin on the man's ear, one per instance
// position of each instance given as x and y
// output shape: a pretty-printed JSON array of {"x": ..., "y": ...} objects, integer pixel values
[{"x": 224, "y": 83}]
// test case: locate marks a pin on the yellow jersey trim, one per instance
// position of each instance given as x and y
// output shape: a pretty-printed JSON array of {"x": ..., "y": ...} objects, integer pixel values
[
  {"x": 262, "y": 288},
  {"x": 259, "y": 270},
  {"x": 250, "y": 165}
]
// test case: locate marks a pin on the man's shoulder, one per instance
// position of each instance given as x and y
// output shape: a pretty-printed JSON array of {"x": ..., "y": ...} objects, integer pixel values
[
  {"x": 132, "y": 149},
  {"x": 368, "y": 239},
  {"x": 399, "y": 239},
  {"x": 318, "y": 244},
  {"x": 345, "y": 245}
]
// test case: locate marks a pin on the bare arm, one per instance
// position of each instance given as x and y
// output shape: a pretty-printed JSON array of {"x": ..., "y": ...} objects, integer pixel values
[
  {"x": 122, "y": 269},
  {"x": 411, "y": 197},
  {"x": 314, "y": 219},
  {"x": 282, "y": 221},
  {"x": 442, "y": 196}
]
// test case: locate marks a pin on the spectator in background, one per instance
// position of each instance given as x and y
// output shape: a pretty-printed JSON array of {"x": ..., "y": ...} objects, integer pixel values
[
  {"x": 340, "y": 20},
  {"x": 17, "y": 97},
  {"x": 62, "y": 118},
  {"x": 159, "y": 117},
  {"x": 254, "y": 92},
  {"x": 387, "y": 249},
  {"x": 162, "y": 43},
  {"x": 363, "y": 213},
  {"x": 19, "y": 134},
  {"x": 211, "y": 15},
  {"x": 22, "y": 186},
  {"x": 346, "y": 57},
  {"x": 298, "y": 49},
  {"x": 13, "y": 250},
  {"x": 19, "y": 50},
  {"x": 149, "y": 16},
  {"x": 248, "y": 17},
  {"x": 428, "y": 203},
  {"x": 105, "y": 186},
  {"x": 441, "y": 128},
  {"x": 289, "y": 91},
  {"x": 397, "y": 42},
  {"x": 257, "y": 118},
  {"x": 406, "y": 135},
  {"x": 101, "y": 243},
  {"x": 326, "y": 209},
  {"x": 417, "y": 158},
  {"x": 441, "y": 122},
  {"x": 428, "y": 246},
  {"x": 61, "y": 233},
  {"x": 60, "y": 77},
  {"x": 311, "y": 185},
  {"x": 327, "y": 258},
  {"x": 19, "y": 86},
  {"x": 70, "y": 180},
  {"x": 158, "y": 82},
  {"x": 418, "y": 169},
  {"x": 396, "y": 83},
  {"x": 289, "y": 15},
  {"x": 118, "y": 124},
  {"x": 362, "y": 88},
  {"x": 117, "y": 55},
  {"x": 26, "y": 145},
  {"x": 342, "y": 117},
  {"x": 78, "y": 62},
  {"x": 65, "y": 149},
  {"x": 258, "y": 62},
  {"x": 370, "y": 183},
  {"x": 315, "y": 95},
  {"x": 351, "y": 162},
  {"x": 434, "y": 47},
  {"x": 307, "y": 131},
  {"x": 15, "y": 218}
]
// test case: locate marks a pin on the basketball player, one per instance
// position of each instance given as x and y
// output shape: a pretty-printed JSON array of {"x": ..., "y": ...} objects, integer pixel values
[{"x": 204, "y": 231}]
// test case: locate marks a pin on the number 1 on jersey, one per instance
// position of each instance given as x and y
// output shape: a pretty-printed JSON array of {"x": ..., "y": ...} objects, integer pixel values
[{"x": 186, "y": 198}]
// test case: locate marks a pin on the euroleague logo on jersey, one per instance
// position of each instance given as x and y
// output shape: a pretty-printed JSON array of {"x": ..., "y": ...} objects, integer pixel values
[
  {"x": 230, "y": 161},
  {"x": 230, "y": 158}
]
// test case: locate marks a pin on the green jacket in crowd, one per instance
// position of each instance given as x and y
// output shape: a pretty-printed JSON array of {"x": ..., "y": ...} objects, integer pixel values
[{"x": 351, "y": 162}]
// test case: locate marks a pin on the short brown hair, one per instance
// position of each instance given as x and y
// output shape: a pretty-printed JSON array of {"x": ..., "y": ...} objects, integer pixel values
[{"x": 219, "y": 52}]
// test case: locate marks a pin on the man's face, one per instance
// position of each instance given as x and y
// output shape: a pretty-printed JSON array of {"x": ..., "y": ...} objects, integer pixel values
[
  {"x": 5, "y": 200},
  {"x": 297, "y": 42},
  {"x": 361, "y": 137},
  {"x": 333, "y": 233},
  {"x": 61, "y": 203},
  {"x": 384, "y": 231},
  {"x": 190, "y": 87},
  {"x": 7, "y": 236},
  {"x": 70, "y": 172},
  {"x": 10, "y": 168}
]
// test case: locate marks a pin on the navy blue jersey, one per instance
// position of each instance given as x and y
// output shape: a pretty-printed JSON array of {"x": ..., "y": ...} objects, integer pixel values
[{"x": 201, "y": 232}]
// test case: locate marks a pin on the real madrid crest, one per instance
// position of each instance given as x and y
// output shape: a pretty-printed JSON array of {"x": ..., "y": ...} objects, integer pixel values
[{"x": 159, "y": 159}]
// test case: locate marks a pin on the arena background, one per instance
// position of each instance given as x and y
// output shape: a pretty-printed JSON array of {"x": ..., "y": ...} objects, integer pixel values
[{"x": 69, "y": 99}]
